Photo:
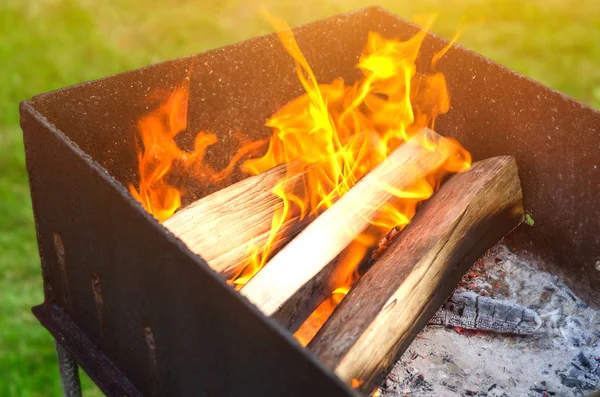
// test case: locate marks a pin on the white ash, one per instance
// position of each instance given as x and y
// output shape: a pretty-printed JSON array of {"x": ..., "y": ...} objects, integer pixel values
[{"x": 562, "y": 358}]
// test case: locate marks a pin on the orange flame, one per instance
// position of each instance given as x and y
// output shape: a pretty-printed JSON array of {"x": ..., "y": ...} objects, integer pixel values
[
  {"x": 309, "y": 328},
  {"x": 158, "y": 154},
  {"x": 159, "y": 151},
  {"x": 336, "y": 133},
  {"x": 332, "y": 135}
]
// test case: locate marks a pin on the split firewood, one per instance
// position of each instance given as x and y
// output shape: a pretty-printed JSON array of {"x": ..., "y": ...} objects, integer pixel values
[
  {"x": 287, "y": 286},
  {"x": 469, "y": 310},
  {"x": 397, "y": 297},
  {"x": 222, "y": 226}
]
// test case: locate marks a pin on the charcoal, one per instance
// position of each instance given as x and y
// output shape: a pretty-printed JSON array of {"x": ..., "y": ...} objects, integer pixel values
[
  {"x": 580, "y": 361},
  {"x": 540, "y": 388},
  {"x": 575, "y": 372},
  {"x": 417, "y": 380},
  {"x": 570, "y": 381},
  {"x": 471, "y": 311},
  {"x": 587, "y": 384},
  {"x": 582, "y": 305}
]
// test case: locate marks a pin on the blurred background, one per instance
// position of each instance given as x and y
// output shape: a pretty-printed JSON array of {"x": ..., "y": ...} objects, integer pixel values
[{"x": 48, "y": 44}]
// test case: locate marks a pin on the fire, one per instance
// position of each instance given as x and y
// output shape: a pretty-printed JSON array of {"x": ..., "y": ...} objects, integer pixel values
[
  {"x": 310, "y": 327},
  {"x": 376, "y": 393},
  {"x": 158, "y": 154},
  {"x": 336, "y": 133},
  {"x": 333, "y": 135}
]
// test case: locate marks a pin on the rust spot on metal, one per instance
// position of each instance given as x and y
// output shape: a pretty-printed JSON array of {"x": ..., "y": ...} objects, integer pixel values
[
  {"x": 46, "y": 271},
  {"x": 151, "y": 343},
  {"x": 97, "y": 290},
  {"x": 59, "y": 247}
]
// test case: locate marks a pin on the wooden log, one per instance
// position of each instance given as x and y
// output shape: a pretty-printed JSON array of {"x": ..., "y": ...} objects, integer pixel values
[
  {"x": 222, "y": 226},
  {"x": 285, "y": 288},
  {"x": 396, "y": 298}
]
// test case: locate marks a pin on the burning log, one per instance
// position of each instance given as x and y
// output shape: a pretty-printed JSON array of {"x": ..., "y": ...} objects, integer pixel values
[
  {"x": 396, "y": 298},
  {"x": 288, "y": 285},
  {"x": 222, "y": 226}
]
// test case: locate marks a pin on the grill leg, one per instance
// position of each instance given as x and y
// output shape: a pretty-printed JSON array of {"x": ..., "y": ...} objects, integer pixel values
[{"x": 69, "y": 373}]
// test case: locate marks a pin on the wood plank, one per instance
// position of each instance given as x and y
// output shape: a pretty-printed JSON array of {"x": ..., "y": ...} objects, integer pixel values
[
  {"x": 286, "y": 288},
  {"x": 396, "y": 298},
  {"x": 222, "y": 226}
]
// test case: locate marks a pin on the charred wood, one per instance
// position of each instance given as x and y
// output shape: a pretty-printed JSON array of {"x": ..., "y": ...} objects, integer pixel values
[{"x": 474, "y": 312}]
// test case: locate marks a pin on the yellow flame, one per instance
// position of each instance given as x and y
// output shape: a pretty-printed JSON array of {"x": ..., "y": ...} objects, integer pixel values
[
  {"x": 158, "y": 155},
  {"x": 310, "y": 327},
  {"x": 336, "y": 133},
  {"x": 331, "y": 136}
]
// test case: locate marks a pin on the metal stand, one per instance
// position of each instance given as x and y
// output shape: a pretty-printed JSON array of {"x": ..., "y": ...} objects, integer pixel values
[{"x": 69, "y": 372}]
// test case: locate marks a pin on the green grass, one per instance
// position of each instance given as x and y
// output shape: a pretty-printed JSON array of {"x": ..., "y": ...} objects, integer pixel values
[{"x": 48, "y": 44}]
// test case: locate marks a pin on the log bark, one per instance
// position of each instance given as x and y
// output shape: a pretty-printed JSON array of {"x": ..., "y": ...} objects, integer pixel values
[
  {"x": 396, "y": 298},
  {"x": 222, "y": 226},
  {"x": 287, "y": 286}
]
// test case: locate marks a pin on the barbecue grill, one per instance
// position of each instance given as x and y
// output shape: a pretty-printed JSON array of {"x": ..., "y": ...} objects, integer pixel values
[{"x": 143, "y": 316}]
